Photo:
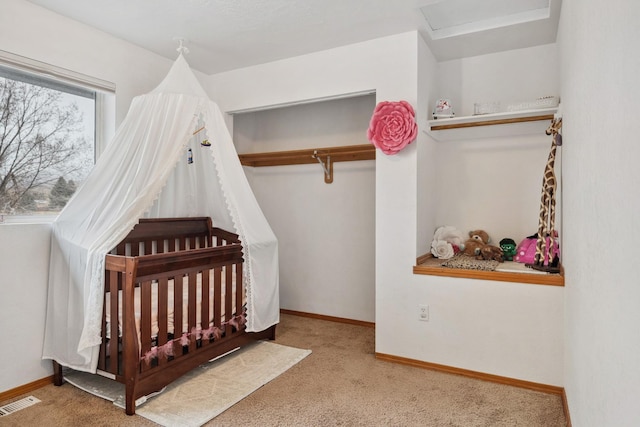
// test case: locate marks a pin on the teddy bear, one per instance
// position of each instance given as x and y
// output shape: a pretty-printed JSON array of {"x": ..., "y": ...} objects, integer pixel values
[
  {"x": 491, "y": 252},
  {"x": 477, "y": 239},
  {"x": 478, "y": 245}
]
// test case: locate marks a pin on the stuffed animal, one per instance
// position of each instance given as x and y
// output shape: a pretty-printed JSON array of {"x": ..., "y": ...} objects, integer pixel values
[
  {"x": 508, "y": 247},
  {"x": 477, "y": 239},
  {"x": 490, "y": 252},
  {"x": 447, "y": 241},
  {"x": 451, "y": 235}
]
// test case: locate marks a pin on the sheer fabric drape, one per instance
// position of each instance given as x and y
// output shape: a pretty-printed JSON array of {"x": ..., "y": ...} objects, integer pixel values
[{"x": 144, "y": 172}]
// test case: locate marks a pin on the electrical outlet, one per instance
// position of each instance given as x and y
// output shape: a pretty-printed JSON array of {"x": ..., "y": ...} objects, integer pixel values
[{"x": 423, "y": 312}]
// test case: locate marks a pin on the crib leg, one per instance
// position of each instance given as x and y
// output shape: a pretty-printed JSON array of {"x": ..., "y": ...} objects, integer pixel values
[
  {"x": 57, "y": 373},
  {"x": 130, "y": 408},
  {"x": 272, "y": 333},
  {"x": 129, "y": 397}
]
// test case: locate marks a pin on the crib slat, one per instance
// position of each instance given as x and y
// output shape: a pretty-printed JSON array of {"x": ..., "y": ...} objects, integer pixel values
[
  {"x": 145, "y": 320},
  {"x": 228, "y": 296},
  {"x": 163, "y": 293},
  {"x": 217, "y": 296},
  {"x": 192, "y": 308},
  {"x": 160, "y": 245},
  {"x": 204, "y": 312},
  {"x": 177, "y": 316},
  {"x": 121, "y": 248},
  {"x": 239, "y": 289},
  {"x": 115, "y": 283},
  {"x": 112, "y": 283}
]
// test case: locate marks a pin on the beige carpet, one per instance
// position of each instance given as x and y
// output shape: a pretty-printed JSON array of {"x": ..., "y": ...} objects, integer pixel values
[
  {"x": 340, "y": 384},
  {"x": 205, "y": 392}
]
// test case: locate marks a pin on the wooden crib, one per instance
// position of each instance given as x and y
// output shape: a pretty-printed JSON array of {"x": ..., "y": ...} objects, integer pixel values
[{"x": 161, "y": 282}]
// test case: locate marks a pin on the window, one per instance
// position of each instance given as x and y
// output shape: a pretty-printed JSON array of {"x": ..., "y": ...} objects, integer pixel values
[{"x": 47, "y": 142}]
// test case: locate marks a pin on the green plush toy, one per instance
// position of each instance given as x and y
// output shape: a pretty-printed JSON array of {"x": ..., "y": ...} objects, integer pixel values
[{"x": 508, "y": 247}]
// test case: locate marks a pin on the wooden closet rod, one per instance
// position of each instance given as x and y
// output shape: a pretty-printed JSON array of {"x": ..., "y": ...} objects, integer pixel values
[
  {"x": 326, "y": 156},
  {"x": 347, "y": 153}
]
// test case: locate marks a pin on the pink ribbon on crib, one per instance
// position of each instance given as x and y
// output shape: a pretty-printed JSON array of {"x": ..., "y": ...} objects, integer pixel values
[
  {"x": 150, "y": 355},
  {"x": 184, "y": 339},
  {"x": 166, "y": 350},
  {"x": 212, "y": 331}
]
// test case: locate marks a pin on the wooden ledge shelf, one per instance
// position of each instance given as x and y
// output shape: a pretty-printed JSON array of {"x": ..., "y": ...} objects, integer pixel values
[
  {"x": 347, "y": 153},
  {"x": 493, "y": 119},
  {"x": 510, "y": 272},
  {"x": 497, "y": 125}
]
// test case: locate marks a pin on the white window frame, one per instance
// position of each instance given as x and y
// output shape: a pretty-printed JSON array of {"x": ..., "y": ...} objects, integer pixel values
[{"x": 104, "y": 104}]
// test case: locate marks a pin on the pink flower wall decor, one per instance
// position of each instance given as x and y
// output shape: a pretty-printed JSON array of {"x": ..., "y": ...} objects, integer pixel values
[{"x": 393, "y": 126}]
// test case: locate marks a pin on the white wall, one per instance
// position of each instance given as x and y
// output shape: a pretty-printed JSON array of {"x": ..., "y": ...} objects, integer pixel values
[
  {"x": 500, "y": 328},
  {"x": 34, "y": 32},
  {"x": 24, "y": 263},
  {"x": 601, "y": 93},
  {"x": 506, "y": 329},
  {"x": 427, "y": 157},
  {"x": 326, "y": 232},
  {"x": 508, "y": 77}
]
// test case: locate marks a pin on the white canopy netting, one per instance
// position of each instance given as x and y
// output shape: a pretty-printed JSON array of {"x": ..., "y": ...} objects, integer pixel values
[{"x": 144, "y": 172}]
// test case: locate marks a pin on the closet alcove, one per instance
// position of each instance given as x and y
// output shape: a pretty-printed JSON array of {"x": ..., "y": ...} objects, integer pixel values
[
  {"x": 325, "y": 231},
  {"x": 489, "y": 177}
]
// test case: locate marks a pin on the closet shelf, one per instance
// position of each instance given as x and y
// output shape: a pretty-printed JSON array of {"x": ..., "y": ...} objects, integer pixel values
[
  {"x": 347, "y": 153},
  {"x": 520, "y": 122},
  {"x": 493, "y": 119}
]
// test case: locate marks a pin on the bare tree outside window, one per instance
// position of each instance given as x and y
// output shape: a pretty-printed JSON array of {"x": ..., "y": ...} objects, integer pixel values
[{"x": 46, "y": 147}]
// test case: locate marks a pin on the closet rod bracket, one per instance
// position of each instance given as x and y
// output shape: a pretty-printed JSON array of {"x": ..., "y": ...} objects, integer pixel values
[{"x": 327, "y": 168}]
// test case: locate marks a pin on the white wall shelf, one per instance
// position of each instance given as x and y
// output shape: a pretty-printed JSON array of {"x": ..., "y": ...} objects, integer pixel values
[{"x": 524, "y": 122}]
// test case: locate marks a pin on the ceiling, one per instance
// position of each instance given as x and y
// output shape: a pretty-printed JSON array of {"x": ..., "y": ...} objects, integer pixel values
[{"x": 223, "y": 35}]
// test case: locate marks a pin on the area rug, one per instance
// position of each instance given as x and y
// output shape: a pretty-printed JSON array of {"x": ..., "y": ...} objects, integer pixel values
[
  {"x": 205, "y": 392},
  {"x": 470, "y": 263}
]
